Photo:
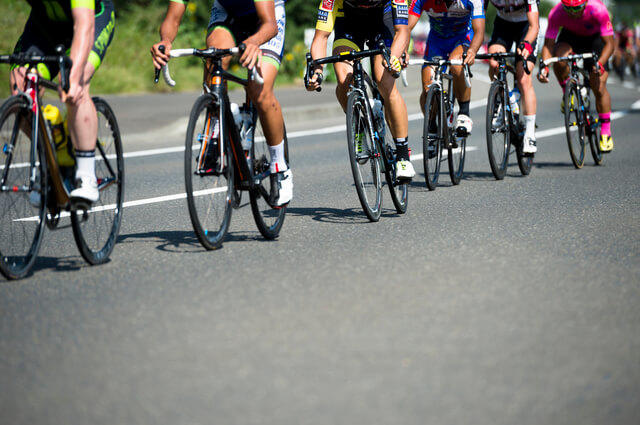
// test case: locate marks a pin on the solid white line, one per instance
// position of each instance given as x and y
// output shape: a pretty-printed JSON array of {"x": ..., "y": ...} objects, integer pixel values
[{"x": 139, "y": 202}]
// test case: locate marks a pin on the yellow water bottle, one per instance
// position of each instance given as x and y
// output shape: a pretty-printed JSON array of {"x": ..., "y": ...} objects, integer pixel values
[{"x": 60, "y": 135}]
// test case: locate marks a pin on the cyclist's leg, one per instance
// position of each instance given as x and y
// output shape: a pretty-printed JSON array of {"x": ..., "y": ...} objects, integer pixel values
[
  {"x": 432, "y": 49},
  {"x": 501, "y": 41},
  {"x": 529, "y": 100},
  {"x": 347, "y": 38},
  {"x": 603, "y": 97},
  {"x": 563, "y": 48},
  {"x": 460, "y": 89}
]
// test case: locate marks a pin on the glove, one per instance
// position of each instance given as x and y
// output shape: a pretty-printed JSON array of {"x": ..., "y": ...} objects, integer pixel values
[
  {"x": 525, "y": 46},
  {"x": 395, "y": 64}
]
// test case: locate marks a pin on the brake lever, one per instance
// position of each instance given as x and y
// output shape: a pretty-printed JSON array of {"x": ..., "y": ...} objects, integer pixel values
[
  {"x": 65, "y": 64},
  {"x": 162, "y": 49},
  {"x": 308, "y": 73}
]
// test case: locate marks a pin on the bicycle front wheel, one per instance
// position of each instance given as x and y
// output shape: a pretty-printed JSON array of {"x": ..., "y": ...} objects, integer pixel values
[
  {"x": 574, "y": 124},
  {"x": 208, "y": 172},
  {"x": 498, "y": 130},
  {"x": 96, "y": 230},
  {"x": 455, "y": 156},
  {"x": 364, "y": 157},
  {"x": 269, "y": 220},
  {"x": 594, "y": 134},
  {"x": 22, "y": 211},
  {"x": 432, "y": 137}
]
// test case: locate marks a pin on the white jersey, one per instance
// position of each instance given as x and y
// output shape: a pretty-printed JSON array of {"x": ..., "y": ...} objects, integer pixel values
[{"x": 515, "y": 10}]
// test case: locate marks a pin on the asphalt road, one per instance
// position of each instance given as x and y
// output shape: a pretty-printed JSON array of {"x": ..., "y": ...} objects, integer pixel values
[{"x": 511, "y": 302}]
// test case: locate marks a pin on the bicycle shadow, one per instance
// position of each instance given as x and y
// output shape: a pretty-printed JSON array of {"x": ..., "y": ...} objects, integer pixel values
[
  {"x": 543, "y": 165},
  {"x": 181, "y": 241},
  {"x": 335, "y": 215},
  {"x": 58, "y": 264}
]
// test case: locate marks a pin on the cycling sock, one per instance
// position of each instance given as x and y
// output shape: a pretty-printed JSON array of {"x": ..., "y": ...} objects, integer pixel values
[
  {"x": 402, "y": 148},
  {"x": 278, "y": 162},
  {"x": 605, "y": 122},
  {"x": 86, "y": 163},
  {"x": 464, "y": 108},
  {"x": 563, "y": 84},
  {"x": 530, "y": 126}
]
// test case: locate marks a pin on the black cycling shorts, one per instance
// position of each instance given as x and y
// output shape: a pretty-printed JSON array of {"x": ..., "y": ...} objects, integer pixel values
[
  {"x": 581, "y": 44},
  {"x": 362, "y": 26},
  {"x": 39, "y": 40},
  {"x": 506, "y": 33}
]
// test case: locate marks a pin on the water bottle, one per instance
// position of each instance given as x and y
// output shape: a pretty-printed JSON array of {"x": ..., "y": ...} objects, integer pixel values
[
  {"x": 246, "y": 133},
  {"x": 378, "y": 116},
  {"x": 514, "y": 98},
  {"x": 60, "y": 134},
  {"x": 237, "y": 117},
  {"x": 585, "y": 97}
]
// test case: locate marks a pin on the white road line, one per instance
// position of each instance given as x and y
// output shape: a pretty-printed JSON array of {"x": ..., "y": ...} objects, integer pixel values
[{"x": 139, "y": 202}]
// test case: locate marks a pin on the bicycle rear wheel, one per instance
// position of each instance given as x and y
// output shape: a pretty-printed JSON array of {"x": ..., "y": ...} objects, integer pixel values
[
  {"x": 524, "y": 161},
  {"x": 574, "y": 124},
  {"x": 96, "y": 230},
  {"x": 455, "y": 156},
  {"x": 498, "y": 130},
  {"x": 594, "y": 134},
  {"x": 208, "y": 172},
  {"x": 364, "y": 157},
  {"x": 269, "y": 220},
  {"x": 432, "y": 137},
  {"x": 22, "y": 213},
  {"x": 399, "y": 190}
]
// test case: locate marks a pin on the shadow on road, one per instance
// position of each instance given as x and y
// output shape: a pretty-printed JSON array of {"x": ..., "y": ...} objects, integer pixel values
[
  {"x": 553, "y": 165},
  {"x": 336, "y": 215},
  {"x": 59, "y": 264},
  {"x": 184, "y": 240}
]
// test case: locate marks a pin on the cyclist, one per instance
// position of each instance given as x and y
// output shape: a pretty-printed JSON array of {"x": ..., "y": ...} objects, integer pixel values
[
  {"x": 517, "y": 22},
  {"x": 457, "y": 31},
  {"x": 357, "y": 22},
  {"x": 259, "y": 25},
  {"x": 85, "y": 27},
  {"x": 625, "y": 52},
  {"x": 586, "y": 27}
]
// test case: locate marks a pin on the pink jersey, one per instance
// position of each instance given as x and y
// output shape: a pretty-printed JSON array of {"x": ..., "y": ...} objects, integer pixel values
[{"x": 594, "y": 20}]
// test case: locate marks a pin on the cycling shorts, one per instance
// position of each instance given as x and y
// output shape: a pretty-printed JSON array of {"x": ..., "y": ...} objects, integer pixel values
[
  {"x": 37, "y": 39},
  {"x": 442, "y": 47},
  {"x": 243, "y": 27},
  {"x": 583, "y": 44},
  {"x": 356, "y": 27},
  {"x": 507, "y": 33}
]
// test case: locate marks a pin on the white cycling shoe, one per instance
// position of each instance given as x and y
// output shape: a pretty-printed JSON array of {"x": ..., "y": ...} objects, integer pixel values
[
  {"x": 529, "y": 146},
  {"x": 404, "y": 170},
  {"x": 86, "y": 190},
  {"x": 464, "y": 125},
  {"x": 284, "y": 185}
]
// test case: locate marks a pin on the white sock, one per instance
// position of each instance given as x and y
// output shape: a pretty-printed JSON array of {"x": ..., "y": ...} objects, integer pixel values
[
  {"x": 530, "y": 126},
  {"x": 278, "y": 162},
  {"x": 86, "y": 163}
]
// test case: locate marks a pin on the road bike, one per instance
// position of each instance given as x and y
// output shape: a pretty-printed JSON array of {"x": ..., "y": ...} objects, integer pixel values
[
  {"x": 438, "y": 128},
  {"x": 34, "y": 188},
  {"x": 503, "y": 124},
  {"x": 370, "y": 145},
  {"x": 581, "y": 123},
  {"x": 222, "y": 159}
]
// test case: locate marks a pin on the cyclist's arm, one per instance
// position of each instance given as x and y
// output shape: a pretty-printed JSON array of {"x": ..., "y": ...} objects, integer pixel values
[
  {"x": 533, "y": 16},
  {"x": 81, "y": 44},
  {"x": 168, "y": 32},
  {"x": 478, "y": 38},
  {"x": 607, "y": 34},
  {"x": 266, "y": 11},
  {"x": 400, "y": 40},
  {"x": 607, "y": 51}
]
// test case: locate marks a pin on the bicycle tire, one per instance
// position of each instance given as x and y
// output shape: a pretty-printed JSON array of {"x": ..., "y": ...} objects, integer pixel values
[
  {"x": 109, "y": 153},
  {"x": 525, "y": 162},
  {"x": 202, "y": 201},
  {"x": 14, "y": 264},
  {"x": 498, "y": 151},
  {"x": 594, "y": 134},
  {"x": 573, "y": 118},
  {"x": 455, "y": 158},
  {"x": 269, "y": 220},
  {"x": 358, "y": 126},
  {"x": 432, "y": 142}
]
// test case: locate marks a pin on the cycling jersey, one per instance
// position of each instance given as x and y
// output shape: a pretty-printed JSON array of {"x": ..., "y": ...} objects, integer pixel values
[
  {"x": 235, "y": 7},
  {"x": 51, "y": 23},
  {"x": 514, "y": 10},
  {"x": 452, "y": 21},
  {"x": 625, "y": 38},
  {"x": 594, "y": 21}
]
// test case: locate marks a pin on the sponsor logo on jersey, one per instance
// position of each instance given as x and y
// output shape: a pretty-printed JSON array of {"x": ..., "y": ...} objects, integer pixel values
[
  {"x": 323, "y": 15},
  {"x": 400, "y": 2},
  {"x": 327, "y": 5}
]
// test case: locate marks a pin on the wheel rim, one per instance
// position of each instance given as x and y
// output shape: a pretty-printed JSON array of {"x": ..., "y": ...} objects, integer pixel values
[
  {"x": 432, "y": 142},
  {"x": 575, "y": 127},
  {"x": 21, "y": 223},
  {"x": 498, "y": 133}
]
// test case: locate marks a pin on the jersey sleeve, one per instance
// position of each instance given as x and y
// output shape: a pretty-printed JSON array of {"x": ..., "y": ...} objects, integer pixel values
[
  {"x": 416, "y": 8},
  {"x": 553, "y": 23},
  {"x": 328, "y": 11},
  {"x": 606, "y": 28},
  {"x": 532, "y": 6},
  {"x": 85, "y": 4},
  {"x": 400, "y": 9},
  {"x": 477, "y": 9}
]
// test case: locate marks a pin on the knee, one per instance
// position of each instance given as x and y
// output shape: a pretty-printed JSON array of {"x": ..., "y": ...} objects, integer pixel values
[{"x": 263, "y": 99}]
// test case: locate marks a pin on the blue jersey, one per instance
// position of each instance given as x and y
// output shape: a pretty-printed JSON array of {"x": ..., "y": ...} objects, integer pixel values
[{"x": 452, "y": 21}]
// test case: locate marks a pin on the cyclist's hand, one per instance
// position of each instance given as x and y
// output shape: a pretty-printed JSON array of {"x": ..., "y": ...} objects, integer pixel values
[
  {"x": 160, "y": 59},
  {"x": 251, "y": 54},
  {"x": 394, "y": 64},
  {"x": 524, "y": 50},
  {"x": 598, "y": 68},
  {"x": 73, "y": 95},
  {"x": 405, "y": 60},
  {"x": 471, "y": 57},
  {"x": 543, "y": 75},
  {"x": 315, "y": 80}
]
